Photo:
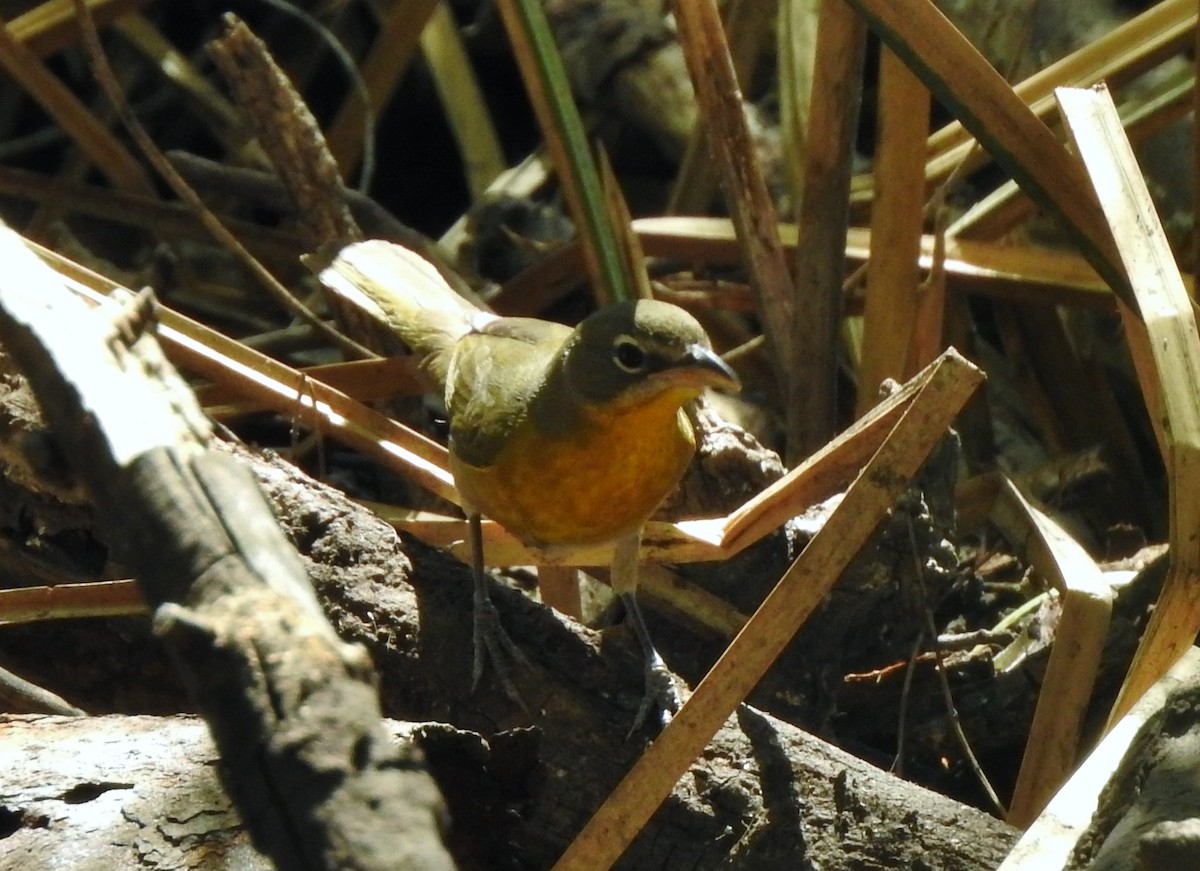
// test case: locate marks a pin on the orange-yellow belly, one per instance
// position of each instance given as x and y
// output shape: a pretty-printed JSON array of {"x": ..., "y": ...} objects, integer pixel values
[{"x": 600, "y": 483}]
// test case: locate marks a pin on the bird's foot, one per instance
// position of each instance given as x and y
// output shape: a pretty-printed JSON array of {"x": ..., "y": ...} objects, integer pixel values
[
  {"x": 660, "y": 697},
  {"x": 493, "y": 643}
]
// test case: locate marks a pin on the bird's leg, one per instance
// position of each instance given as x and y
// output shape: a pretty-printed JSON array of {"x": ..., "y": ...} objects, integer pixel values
[
  {"x": 488, "y": 635},
  {"x": 660, "y": 694}
]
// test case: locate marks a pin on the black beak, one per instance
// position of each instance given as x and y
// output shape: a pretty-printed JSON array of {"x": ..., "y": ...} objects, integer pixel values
[{"x": 709, "y": 369}]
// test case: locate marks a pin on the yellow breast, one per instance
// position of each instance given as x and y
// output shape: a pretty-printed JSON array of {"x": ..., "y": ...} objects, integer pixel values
[{"x": 601, "y": 480}]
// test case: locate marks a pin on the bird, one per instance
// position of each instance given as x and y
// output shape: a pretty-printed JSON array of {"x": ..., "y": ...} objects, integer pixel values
[{"x": 564, "y": 436}]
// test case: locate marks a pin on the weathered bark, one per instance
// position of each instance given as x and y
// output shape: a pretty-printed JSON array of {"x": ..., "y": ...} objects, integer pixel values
[
  {"x": 1147, "y": 812},
  {"x": 113, "y": 793},
  {"x": 141, "y": 792},
  {"x": 120, "y": 792}
]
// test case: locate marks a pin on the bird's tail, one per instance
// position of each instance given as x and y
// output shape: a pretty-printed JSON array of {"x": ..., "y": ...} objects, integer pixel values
[{"x": 402, "y": 290}]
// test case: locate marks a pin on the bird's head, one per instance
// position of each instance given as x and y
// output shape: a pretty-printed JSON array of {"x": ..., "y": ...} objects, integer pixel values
[{"x": 632, "y": 352}]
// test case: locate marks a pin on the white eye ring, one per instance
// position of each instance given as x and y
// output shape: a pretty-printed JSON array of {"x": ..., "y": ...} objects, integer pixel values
[{"x": 629, "y": 355}]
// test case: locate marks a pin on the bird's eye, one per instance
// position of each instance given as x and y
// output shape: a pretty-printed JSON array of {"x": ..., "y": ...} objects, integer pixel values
[{"x": 629, "y": 355}]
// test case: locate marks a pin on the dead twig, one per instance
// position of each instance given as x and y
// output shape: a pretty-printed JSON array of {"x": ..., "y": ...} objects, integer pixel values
[{"x": 944, "y": 682}]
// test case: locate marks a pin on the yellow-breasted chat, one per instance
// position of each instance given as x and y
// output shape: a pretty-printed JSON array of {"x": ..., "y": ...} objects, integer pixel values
[{"x": 563, "y": 436}]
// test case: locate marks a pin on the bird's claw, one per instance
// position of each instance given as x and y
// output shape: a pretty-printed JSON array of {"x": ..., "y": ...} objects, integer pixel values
[
  {"x": 492, "y": 642},
  {"x": 660, "y": 696}
]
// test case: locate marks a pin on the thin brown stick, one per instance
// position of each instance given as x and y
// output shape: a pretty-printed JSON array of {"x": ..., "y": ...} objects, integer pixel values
[
  {"x": 897, "y": 766},
  {"x": 947, "y": 696},
  {"x": 64, "y": 601},
  {"x": 715, "y": 81},
  {"x": 822, "y": 219}
]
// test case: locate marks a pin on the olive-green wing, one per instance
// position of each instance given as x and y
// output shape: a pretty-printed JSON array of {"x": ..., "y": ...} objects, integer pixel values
[{"x": 494, "y": 374}]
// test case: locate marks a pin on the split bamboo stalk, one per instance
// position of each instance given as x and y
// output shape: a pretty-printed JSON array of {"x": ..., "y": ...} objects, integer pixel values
[
  {"x": 1049, "y": 843},
  {"x": 1166, "y": 310}
]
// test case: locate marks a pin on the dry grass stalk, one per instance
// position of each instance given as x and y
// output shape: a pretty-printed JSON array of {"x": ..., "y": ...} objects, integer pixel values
[
  {"x": 462, "y": 100},
  {"x": 51, "y": 26},
  {"x": 719, "y": 98},
  {"x": 897, "y": 221},
  {"x": 1013, "y": 272},
  {"x": 822, "y": 216},
  {"x": 91, "y": 136},
  {"x": 695, "y": 184},
  {"x": 1007, "y": 206},
  {"x": 964, "y": 81},
  {"x": 280, "y": 387},
  {"x": 1126, "y": 51},
  {"x": 1053, "y": 743}
]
